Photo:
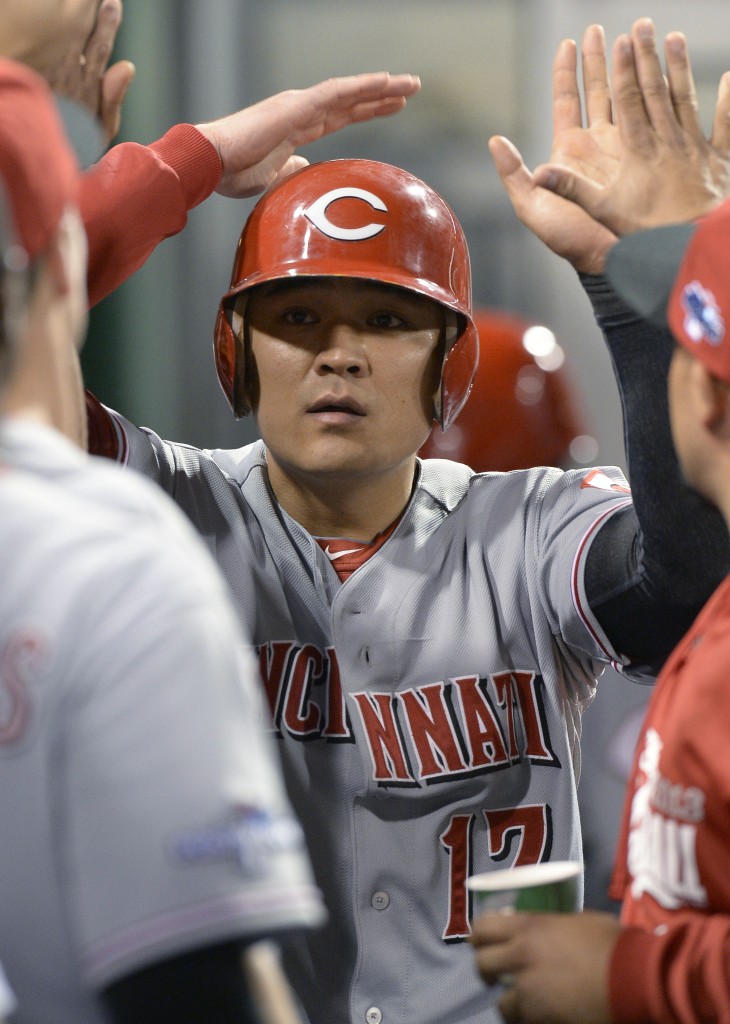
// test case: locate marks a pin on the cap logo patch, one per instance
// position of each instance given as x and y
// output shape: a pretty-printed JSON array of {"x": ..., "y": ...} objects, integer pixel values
[
  {"x": 317, "y": 214},
  {"x": 703, "y": 320}
]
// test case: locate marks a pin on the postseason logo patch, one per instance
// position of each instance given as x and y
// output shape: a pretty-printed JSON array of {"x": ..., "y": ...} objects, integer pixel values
[
  {"x": 602, "y": 482},
  {"x": 703, "y": 320},
  {"x": 249, "y": 840}
]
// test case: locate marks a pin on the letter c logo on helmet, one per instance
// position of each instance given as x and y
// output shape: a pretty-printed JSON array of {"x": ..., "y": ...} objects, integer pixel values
[{"x": 317, "y": 214}]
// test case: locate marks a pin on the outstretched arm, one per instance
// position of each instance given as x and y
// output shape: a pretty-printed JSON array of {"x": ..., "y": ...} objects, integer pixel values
[
  {"x": 136, "y": 196},
  {"x": 650, "y": 568},
  {"x": 666, "y": 171}
]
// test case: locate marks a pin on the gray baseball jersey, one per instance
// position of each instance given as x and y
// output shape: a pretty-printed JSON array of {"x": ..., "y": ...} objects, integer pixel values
[
  {"x": 143, "y": 809},
  {"x": 427, "y": 709}
]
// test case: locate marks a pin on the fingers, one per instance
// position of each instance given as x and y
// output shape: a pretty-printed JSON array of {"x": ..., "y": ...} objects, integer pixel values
[
  {"x": 566, "y": 183},
  {"x": 681, "y": 84},
  {"x": 629, "y": 111},
  {"x": 367, "y": 111},
  {"x": 341, "y": 101},
  {"x": 355, "y": 89},
  {"x": 595, "y": 75},
  {"x": 328, "y": 106},
  {"x": 566, "y": 95},
  {"x": 100, "y": 43},
  {"x": 114, "y": 87},
  {"x": 656, "y": 100},
  {"x": 493, "y": 926},
  {"x": 510, "y": 166},
  {"x": 492, "y": 935},
  {"x": 720, "y": 137},
  {"x": 294, "y": 163}
]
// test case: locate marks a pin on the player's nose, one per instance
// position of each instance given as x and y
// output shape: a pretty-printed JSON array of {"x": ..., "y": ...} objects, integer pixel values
[{"x": 342, "y": 351}]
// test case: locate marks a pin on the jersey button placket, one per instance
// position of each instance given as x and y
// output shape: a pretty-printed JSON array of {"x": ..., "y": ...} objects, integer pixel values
[
  {"x": 373, "y": 1015},
  {"x": 380, "y": 900}
]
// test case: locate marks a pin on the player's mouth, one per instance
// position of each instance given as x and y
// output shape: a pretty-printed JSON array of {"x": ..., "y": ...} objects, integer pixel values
[{"x": 336, "y": 410}]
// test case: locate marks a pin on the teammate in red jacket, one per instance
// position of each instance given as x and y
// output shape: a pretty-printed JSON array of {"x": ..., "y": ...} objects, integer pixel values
[{"x": 667, "y": 959}]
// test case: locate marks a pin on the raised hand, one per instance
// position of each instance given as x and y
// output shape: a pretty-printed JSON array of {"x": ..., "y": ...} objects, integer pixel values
[
  {"x": 666, "y": 171},
  {"x": 83, "y": 74},
  {"x": 591, "y": 150},
  {"x": 256, "y": 145}
]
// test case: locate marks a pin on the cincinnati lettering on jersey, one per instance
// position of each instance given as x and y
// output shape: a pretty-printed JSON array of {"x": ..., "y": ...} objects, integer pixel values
[
  {"x": 662, "y": 847},
  {"x": 424, "y": 735}
]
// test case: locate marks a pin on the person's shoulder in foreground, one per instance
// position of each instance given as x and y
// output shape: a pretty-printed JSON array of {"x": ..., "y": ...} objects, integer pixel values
[{"x": 135, "y": 699}]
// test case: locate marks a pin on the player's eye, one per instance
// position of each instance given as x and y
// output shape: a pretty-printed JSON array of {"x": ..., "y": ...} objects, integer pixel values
[
  {"x": 298, "y": 316},
  {"x": 385, "y": 321}
]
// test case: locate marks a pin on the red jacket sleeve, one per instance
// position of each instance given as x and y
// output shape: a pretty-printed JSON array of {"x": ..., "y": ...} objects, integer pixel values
[
  {"x": 681, "y": 976},
  {"x": 136, "y": 196}
]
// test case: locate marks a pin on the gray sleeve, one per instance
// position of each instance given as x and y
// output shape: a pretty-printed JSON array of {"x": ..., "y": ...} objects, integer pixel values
[
  {"x": 171, "y": 783},
  {"x": 651, "y": 568}
]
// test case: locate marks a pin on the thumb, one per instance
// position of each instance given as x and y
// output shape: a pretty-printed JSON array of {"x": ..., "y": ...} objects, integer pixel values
[
  {"x": 294, "y": 163},
  {"x": 566, "y": 183},
  {"x": 115, "y": 83}
]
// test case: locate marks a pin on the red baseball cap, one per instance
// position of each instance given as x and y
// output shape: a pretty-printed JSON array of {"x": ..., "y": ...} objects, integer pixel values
[
  {"x": 678, "y": 276},
  {"x": 38, "y": 167}
]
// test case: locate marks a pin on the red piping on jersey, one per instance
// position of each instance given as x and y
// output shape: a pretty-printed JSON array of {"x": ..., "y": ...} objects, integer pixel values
[{"x": 574, "y": 577}]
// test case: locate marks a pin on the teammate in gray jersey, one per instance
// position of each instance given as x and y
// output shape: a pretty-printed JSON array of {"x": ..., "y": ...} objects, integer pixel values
[
  {"x": 427, "y": 637},
  {"x": 147, "y": 839}
]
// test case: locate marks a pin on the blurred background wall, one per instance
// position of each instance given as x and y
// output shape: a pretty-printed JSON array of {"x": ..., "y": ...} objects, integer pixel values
[{"x": 485, "y": 67}]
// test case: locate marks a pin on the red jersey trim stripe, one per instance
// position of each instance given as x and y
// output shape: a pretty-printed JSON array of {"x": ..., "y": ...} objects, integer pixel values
[{"x": 578, "y": 603}]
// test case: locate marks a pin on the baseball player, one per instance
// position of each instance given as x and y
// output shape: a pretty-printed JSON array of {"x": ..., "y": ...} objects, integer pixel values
[
  {"x": 667, "y": 961},
  {"x": 426, "y": 636},
  {"x": 147, "y": 839}
]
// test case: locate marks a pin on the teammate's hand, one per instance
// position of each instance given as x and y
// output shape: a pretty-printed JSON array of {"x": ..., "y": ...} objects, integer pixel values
[
  {"x": 553, "y": 966},
  {"x": 667, "y": 171},
  {"x": 256, "y": 145},
  {"x": 592, "y": 150},
  {"x": 84, "y": 76}
]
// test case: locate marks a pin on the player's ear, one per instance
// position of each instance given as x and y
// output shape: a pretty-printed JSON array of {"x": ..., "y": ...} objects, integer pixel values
[{"x": 713, "y": 396}]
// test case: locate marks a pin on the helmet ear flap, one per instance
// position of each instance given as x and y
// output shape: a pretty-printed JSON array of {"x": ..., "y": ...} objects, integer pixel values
[
  {"x": 230, "y": 361},
  {"x": 461, "y": 359}
]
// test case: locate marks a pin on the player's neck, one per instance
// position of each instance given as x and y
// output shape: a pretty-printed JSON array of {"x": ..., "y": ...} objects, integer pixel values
[
  {"x": 335, "y": 507},
  {"x": 45, "y": 386},
  {"x": 45, "y": 383}
]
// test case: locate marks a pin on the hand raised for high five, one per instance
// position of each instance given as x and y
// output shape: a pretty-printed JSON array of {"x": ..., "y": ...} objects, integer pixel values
[
  {"x": 667, "y": 171},
  {"x": 641, "y": 158},
  {"x": 256, "y": 145},
  {"x": 592, "y": 150}
]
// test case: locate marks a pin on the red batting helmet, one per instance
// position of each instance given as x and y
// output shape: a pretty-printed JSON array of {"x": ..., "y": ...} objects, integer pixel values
[
  {"x": 361, "y": 219},
  {"x": 521, "y": 412}
]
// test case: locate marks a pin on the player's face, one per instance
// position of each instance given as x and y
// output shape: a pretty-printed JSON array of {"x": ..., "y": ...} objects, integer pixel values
[{"x": 343, "y": 375}]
